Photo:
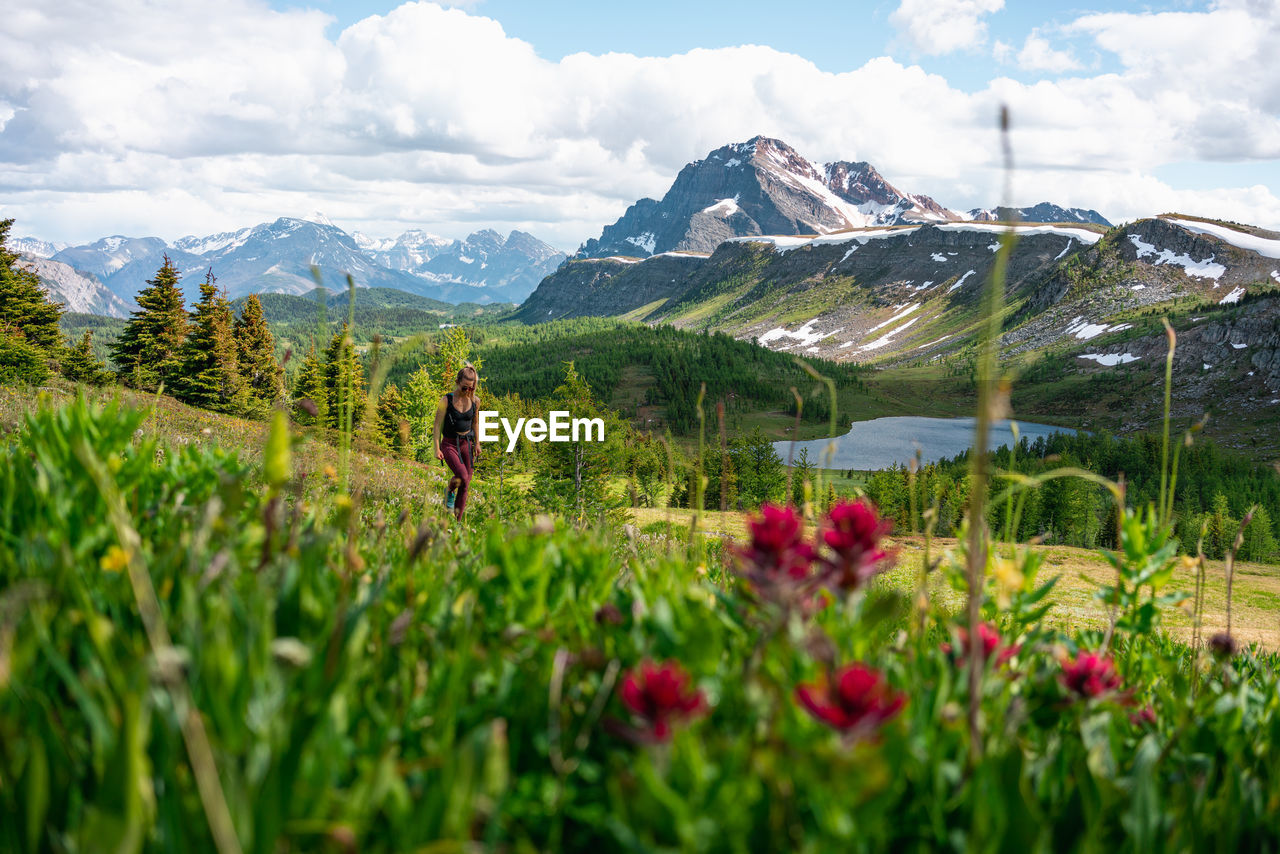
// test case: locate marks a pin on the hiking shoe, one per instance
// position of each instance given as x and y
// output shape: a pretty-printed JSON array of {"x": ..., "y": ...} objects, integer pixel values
[{"x": 450, "y": 498}]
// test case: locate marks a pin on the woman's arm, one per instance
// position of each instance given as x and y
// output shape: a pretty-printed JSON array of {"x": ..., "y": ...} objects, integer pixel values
[{"x": 444, "y": 401}]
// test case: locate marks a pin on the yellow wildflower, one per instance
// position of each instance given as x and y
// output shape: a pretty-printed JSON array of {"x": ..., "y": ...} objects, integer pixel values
[
  {"x": 114, "y": 560},
  {"x": 1008, "y": 581}
]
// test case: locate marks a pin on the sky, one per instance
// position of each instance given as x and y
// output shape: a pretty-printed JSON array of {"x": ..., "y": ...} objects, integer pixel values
[{"x": 169, "y": 118}]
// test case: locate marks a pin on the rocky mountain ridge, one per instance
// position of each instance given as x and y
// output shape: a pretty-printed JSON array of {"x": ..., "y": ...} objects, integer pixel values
[
  {"x": 765, "y": 187},
  {"x": 278, "y": 256},
  {"x": 910, "y": 295}
]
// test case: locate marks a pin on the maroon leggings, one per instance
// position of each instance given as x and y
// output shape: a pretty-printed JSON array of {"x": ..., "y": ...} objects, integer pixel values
[{"x": 457, "y": 456}]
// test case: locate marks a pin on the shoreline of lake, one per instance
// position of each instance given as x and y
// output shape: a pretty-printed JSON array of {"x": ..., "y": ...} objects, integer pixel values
[{"x": 882, "y": 442}]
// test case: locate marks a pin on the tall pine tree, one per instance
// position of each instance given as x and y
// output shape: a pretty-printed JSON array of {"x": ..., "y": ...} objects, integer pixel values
[
  {"x": 149, "y": 350},
  {"x": 210, "y": 377},
  {"x": 25, "y": 312},
  {"x": 309, "y": 386},
  {"x": 256, "y": 351},
  {"x": 344, "y": 381}
]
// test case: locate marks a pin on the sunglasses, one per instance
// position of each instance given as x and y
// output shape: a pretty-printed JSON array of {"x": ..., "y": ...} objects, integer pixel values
[{"x": 467, "y": 387}]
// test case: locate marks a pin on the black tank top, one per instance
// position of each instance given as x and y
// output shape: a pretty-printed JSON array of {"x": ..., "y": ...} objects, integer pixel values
[{"x": 457, "y": 423}]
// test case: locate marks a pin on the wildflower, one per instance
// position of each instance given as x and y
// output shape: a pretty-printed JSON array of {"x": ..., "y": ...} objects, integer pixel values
[
  {"x": 859, "y": 698},
  {"x": 1144, "y": 716},
  {"x": 114, "y": 560},
  {"x": 853, "y": 530},
  {"x": 1090, "y": 675},
  {"x": 660, "y": 694},
  {"x": 991, "y": 645},
  {"x": 609, "y": 614},
  {"x": 1008, "y": 581},
  {"x": 775, "y": 539},
  {"x": 1223, "y": 645}
]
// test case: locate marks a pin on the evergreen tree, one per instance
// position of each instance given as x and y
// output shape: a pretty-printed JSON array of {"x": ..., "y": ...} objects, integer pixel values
[
  {"x": 256, "y": 351},
  {"x": 80, "y": 365},
  {"x": 1259, "y": 537},
  {"x": 309, "y": 385},
  {"x": 21, "y": 361},
  {"x": 802, "y": 471},
  {"x": 759, "y": 468},
  {"x": 344, "y": 381},
  {"x": 1221, "y": 533},
  {"x": 210, "y": 376},
  {"x": 421, "y": 397},
  {"x": 393, "y": 427},
  {"x": 25, "y": 312},
  {"x": 148, "y": 351},
  {"x": 571, "y": 478}
]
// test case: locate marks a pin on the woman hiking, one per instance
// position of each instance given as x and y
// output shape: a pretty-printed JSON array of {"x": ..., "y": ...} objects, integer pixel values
[{"x": 455, "y": 437}]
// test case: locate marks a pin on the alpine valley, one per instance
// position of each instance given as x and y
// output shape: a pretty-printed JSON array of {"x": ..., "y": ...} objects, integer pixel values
[
  {"x": 828, "y": 261},
  {"x": 832, "y": 261}
]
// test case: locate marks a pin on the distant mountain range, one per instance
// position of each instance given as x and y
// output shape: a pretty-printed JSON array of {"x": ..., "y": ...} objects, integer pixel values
[
  {"x": 104, "y": 276},
  {"x": 765, "y": 187}
]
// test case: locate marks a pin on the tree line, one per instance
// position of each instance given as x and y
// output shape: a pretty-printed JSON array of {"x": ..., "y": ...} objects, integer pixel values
[{"x": 208, "y": 357}]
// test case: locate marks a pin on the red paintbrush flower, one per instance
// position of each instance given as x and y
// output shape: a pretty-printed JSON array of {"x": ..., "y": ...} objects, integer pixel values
[
  {"x": 775, "y": 538},
  {"x": 853, "y": 530},
  {"x": 660, "y": 694},
  {"x": 776, "y": 561},
  {"x": 1090, "y": 675},
  {"x": 858, "y": 698},
  {"x": 992, "y": 644}
]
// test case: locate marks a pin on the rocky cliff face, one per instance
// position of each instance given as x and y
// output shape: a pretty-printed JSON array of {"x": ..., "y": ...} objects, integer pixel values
[
  {"x": 762, "y": 186},
  {"x": 76, "y": 291}
]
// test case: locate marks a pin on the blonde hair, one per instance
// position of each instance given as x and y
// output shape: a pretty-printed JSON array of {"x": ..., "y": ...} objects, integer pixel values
[{"x": 467, "y": 372}]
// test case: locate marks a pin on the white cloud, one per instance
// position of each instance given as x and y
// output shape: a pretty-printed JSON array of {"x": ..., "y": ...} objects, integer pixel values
[
  {"x": 943, "y": 26},
  {"x": 436, "y": 118},
  {"x": 1038, "y": 55}
]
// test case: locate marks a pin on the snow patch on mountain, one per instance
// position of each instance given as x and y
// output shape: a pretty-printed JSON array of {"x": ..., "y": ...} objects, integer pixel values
[
  {"x": 888, "y": 337},
  {"x": 724, "y": 207},
  {"x": 1234, "y": 296},
  {"x": 646, "y": 241},
  {"x": 1110, "y": 360},
  {"x": 1084, "y": 330},
  {"x": 1084, "y": 235},
  {"x": 804, "y": 336},
  {"x": 1206, "y": 269},
  {"x": 1264, "y": 246},
  {"x": 960, "y": 281},
  {"x": 896, "y": 317}
]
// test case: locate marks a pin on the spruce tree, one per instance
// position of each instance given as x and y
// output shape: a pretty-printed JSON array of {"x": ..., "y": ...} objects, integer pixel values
[
  {"x": 344, "y": 381},
  {"x": 210, "y": 377},
  {"x": 25, "y": 312},
  {"x": 309, "y": 386},
  {"x": 256, "y": 350},
  {"x": 80, "y": 365},
  {"x": 148, "y": 351},
  {"x": 391, "y": 417}
]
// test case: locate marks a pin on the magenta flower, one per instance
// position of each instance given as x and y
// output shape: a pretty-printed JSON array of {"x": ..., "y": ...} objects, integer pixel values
[
  {"x": 992, "y": 644},
  {"x": 777, "y": 561},
  {"x": 853, "y": 530},
  {"x": 660, "y": 694},
  {"x": 859, "y": 698},
  {"x": 1090, "y": 675},
  {"x": 775, "y": 539}
]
